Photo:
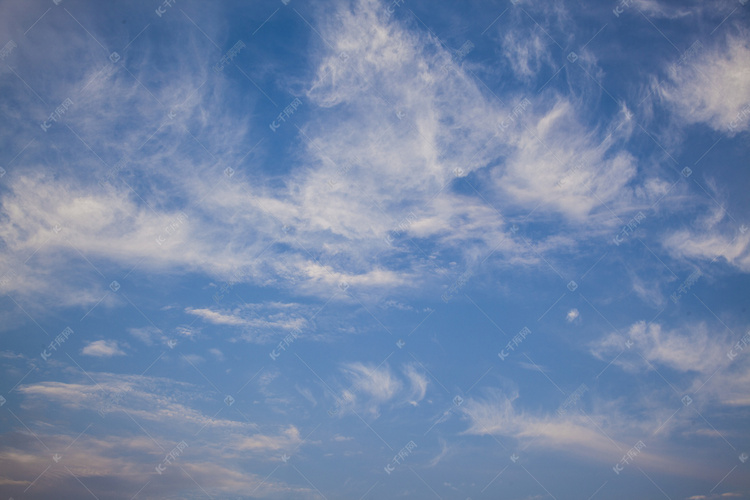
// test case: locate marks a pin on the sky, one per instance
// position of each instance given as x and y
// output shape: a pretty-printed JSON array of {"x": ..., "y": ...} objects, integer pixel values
[{"x": 374, "y": 249}]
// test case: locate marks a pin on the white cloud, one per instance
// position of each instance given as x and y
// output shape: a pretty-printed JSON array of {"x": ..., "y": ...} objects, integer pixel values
[
  {"x": 495, "y": 414},
  {"x": 444, "y": 451},
  {"x": 707, "y": 359},
  {"x": 124, "y": 461},
  {"x": 558, "y": 164},
  {"x": 418, "y": 382},
  {"x": 307, "y": 394},
  {"x": 711, "y": 245},
  {"x": 259, "y": 322},
  {"x": 693, "y": 347},
  {"x": 714, "y": 88},
  {"x": 712, "y": 237},
  {"x": 572, "y": 315},
  {"x": 103, "y": 349},
  {"x": 147, "y": 334},
  {"x": 157, "y": 400},
  {"x": 187, "y": 330},
  {"x": 391, "y": 130},
  {"x": 534, "y": 367},
  {"x": 217, "y": 318},
  {"x": 400, "y": 150},
  {"x": 716, "y": 496},
  {"x": 378, "y": 383},
  {"x": 170, "y": 408},
  {"x": 527, "y": 51},
  {"x": 370, "y": 386},
  {"x": 655, "y": 8},
  {"x": 287, "y": 440},
  {"x": 599, "y": 437},
  {"x": 649, "y": 289},
  {"x": 68, "y": 225}
]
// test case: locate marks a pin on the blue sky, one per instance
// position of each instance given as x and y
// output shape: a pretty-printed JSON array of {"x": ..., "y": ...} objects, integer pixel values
[{"x": 369, "y": 249}]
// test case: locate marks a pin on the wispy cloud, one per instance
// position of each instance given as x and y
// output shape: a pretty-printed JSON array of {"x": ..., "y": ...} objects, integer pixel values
[
  {"x": 713, "y": 85},
  {"x": 716, "y": 235},
  {"x": 690, "y": 348},
  {"x": 103, "y": 349},
  {"x": 370, "y": 387}
]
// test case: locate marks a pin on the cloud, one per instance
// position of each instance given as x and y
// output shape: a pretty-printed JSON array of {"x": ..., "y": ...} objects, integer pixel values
[
  {"x": 526, "y": 51},
  {"x": 558, "y": 164},
  {"x": 216, "y": 318},
  {"x": 401, "y": 169},
  {"x": 716, "y": 496},
  {"x": 370, "y": 386},
  {"x": 712, "y": 237},
  {"x": 157, "y": 400},
  {"x": 657, "y": 9},
  {"x": 72, "y": 224},
  {"x": 187, "y": 330},
  {"x": 594, "y": 437},
  {"x": 444, "y": 451},
  {"x": 259, "y": 322},
  {"x": 170, "y": 410},
  {"x": 714, "y": 87},
  {"x": 649, "y": 289},
  {"x": 103, "y": 349},
  {"x": 495, "y": 414},
  {"x": 535, "y": 367},
  {"x": 389, "y": 158},
  {"x": 379, "y": 384},
  {"x": 708, "y": 360},
  {"x": 711, "y": 245},
  {"x": 572, "y": 315},
  {"x": 288, "y": 440},
  {"x": 113, "y": 466},
  {"x": 147, "y": 334},
  {"x": 401, "y": 306},
  {"x": 389, "y": 93},
  {"x": 693, "y": 347},
  {"x": 307, "y": 394},
  {"x": 418, "y": 382}
]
